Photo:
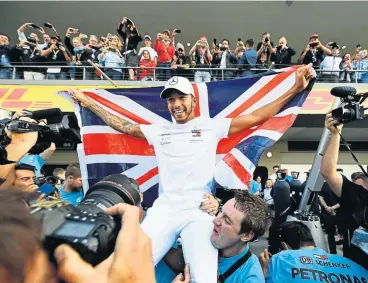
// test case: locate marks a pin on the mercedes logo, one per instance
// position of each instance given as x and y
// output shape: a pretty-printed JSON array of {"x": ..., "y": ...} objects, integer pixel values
[{"x": 173, "y": 81}]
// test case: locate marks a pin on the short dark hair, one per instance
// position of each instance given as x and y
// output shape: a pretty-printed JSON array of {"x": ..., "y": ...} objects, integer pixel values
[
  {"x": 228, "y": 41},
  {"x": 275, "y": 166},
  {"x": 359, "y": 175},
  {"x": 265, "y": 33},
  {"x": 340, "y": 170},
  {"x": 250, "y": 42},
  {"x": 23, "y": 166},
  {"x": 296, "y": 234},
  {"x": 20, "y": 234},
  {"x": 256, "y": 212},
  {"x": 3, "y": 34},
  {"x": 73, "y": 170},
  {"x": 58, "y": 171}
]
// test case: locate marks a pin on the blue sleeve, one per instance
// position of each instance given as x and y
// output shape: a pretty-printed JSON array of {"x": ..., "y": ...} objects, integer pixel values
[
  {"x": 40, "y": 162},
  {"x": 252, "y": 273},
  {"x": 269, "y": 273}
]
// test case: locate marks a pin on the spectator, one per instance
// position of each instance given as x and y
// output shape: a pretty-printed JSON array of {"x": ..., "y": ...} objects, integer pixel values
[
  {"x": 249, "y": 59},
  {"x": 72, "y": 189},
  {"x": 267, "y": 191},
  {"x": 360, "y": 63},
  {"x": 93, "y": 49},
  {"x": 146, "y": 62},
  {"x": 131, "y": 37},
  {"x": 56, "y": 55},
  {"x": 225, "y": 59},
  {"x": 288, "y": 178},
  {"x": 273, "y": 176},
  {"x": 282, "y": 54},
  {"x": 24, "y": 178},
  {"x": 5, "y": 58},
  {"x": 255, "y": 186},
  {"x": 181, "y": 63},
  {"x": 360, "y": 178},
  {"x": 301, "y": 260},
  {"x": 112, "y": 60},
  {"x": 262, "y": 63},
  {"x": 148, "y": 47},
  {"x": 59, "y": 173},
  {"x": 314, "y": 52},
  {"x": 347, "y": 67},
  {"x": 165, "y": 51},
  {"x": 203, "y": 58},
  {"x": 266, "y": 46},
  {"x": 331, "y": 62},
  {"x": 38, "y": 160},
  {"x": 47, "y": 40},
  {"x": 22, "y": 37}
]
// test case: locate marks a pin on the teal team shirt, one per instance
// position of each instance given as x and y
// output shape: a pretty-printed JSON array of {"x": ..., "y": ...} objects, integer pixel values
[
  {"x": 33, "y": 160},
  {"x": 314, "y": 265}
]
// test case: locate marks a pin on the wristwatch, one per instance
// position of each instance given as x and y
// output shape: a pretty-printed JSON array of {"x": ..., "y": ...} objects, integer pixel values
[{"x": 220, "y": 205}]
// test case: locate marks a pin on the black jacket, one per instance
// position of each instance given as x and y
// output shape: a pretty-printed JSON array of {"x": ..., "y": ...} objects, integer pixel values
[{"x": 133, "y": 37}]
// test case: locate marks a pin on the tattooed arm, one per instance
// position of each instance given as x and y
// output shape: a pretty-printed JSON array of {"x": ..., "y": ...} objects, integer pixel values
[{"x": 119, "y": 124}]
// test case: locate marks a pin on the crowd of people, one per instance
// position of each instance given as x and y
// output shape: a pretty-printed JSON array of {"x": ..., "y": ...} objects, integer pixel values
[{"x": 130, "y": 55}]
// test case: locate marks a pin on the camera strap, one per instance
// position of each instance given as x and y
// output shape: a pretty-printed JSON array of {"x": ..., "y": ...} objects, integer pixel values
[
  {"x": 222, "y": 277},
  {"x": 352, "y": 154}
]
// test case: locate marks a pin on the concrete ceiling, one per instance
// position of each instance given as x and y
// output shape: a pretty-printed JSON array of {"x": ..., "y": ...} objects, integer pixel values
[{"x": 314, "y": 134}]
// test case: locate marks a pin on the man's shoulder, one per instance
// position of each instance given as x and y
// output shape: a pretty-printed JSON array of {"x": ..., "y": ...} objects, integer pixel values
[{"x": 250, "y": 269}]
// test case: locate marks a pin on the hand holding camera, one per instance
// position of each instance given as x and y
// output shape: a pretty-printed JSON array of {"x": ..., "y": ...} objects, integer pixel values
[{"x": 332, "y": 124}]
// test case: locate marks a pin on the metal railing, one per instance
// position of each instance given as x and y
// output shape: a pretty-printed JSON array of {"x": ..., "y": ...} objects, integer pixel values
[{"x": 163, "y": 73}]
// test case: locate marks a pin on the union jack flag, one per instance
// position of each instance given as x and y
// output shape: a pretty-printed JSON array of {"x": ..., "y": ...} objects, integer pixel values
[{"x": 105, "y": 151}]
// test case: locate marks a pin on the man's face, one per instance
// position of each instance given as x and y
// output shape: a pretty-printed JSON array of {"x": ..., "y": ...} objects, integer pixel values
[
  {"x": 4, "y": 40},
  {"x": 226, "y": 232},
  {"x": 225, "y": 44},
  {"x": 24, "y": 179},
  {"x": 282, "y": 41},
  {"x": 267, "y": 35},
  {"x": 180, "y": 52},
  {"x": 93, "y": 42},
  {"x": 268, "y": 184},
  {"x": 362, "y": 183},
  {"x": 275, "y": 169},
  {"x": 314, "y": 39},
  {"x": 54, "y": 41},
  {"x": 46, "y": 38},
  {"x": 61, "y": 179},
  {"x": 75, "y": 184},
  {"x": 335, "y": 51},
  {"x": 181, "y": 106},
  {"x": 40, "y": 270},
  {"x": 294, "y": 175},
  {"x": 35, "y": 36}
]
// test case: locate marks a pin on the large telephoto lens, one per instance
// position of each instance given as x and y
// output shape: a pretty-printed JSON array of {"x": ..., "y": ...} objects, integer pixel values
[{"x": 110, "y": 191}]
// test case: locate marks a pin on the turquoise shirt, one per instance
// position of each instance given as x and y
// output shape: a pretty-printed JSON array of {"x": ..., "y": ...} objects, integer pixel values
[
  {"x": 313, "y": 265},
  {"x": 33, "y": 160},
  {"x": 255, "y": 187},
  {"x": 73, "y": 197}
]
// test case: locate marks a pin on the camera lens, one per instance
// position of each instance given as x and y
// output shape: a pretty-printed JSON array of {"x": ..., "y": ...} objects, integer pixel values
[{"x": 110, "y": 191}]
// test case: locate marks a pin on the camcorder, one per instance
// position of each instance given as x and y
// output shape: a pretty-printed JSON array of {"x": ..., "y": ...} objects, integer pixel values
[
  {"x": 65, "y": 128},
  {"x": 351, "y": 109},
  {"x": 86, "y": 227}
]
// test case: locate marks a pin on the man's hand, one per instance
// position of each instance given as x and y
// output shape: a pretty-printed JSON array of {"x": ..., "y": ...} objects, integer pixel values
[
  {"x": 183, "y": 278},
  {"x": 303, "y": 76},
  {"x": 62, "y": 48},
  {"x": 131, "y": 261},
  {"x": 331, "y": 210},
  {"x": 210, "y": 206},
  {"x": 124, "y": 20},
  {"x": 332, "y": 124},
  {"x": 78, "y": 97},
  {"x": 264, "y": 259}
]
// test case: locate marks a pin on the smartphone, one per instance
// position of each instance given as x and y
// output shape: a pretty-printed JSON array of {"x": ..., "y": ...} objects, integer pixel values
[
  {"x": 239, "y": 39},
  {"x": 178, "y": 31},
  {"x": 215, "y": 41},
  {"x": 359, "y": 46},
  {"x": 46, "y": 189},
  {"x": 112, "y": 49},
  {"x": 48, "y": 25}
]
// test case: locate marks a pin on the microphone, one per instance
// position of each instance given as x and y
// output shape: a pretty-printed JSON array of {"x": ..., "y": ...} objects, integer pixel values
[
  {"x": 343, "y": 91},
  {"x": 46, "y": 113}
]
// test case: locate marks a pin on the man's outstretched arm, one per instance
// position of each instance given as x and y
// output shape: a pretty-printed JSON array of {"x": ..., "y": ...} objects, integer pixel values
[
  {"x": 117, "y": 123},
  {"x": 238, "y": 124}
]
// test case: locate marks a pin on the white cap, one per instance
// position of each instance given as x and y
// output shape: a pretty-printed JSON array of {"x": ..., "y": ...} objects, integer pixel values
[{"x": 179, "y": 83}]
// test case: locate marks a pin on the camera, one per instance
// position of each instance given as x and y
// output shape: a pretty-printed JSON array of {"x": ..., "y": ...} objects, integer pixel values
[
  {"x": 31, "y": 41},
  {"x": 86, "y": 227},
  {"x": 351, "y": 109},
  {"x": 51, "y": 180},
  {"x": 313, "y": 44},
  {"x": 65, "y": 129},
  {"x": 266, "y": 39}
]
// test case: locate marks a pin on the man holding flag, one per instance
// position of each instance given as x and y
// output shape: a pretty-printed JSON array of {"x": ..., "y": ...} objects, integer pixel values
[{"x": 186, "y": 155}]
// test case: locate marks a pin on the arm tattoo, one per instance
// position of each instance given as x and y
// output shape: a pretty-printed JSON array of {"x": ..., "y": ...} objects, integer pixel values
[{"x": 117, "y": 123}]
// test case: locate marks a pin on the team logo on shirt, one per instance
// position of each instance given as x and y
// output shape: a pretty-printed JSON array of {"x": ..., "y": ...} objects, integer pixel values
[
  {"x": 196, "y": 133},
  {"x": 321, "y": 257},
  {"x": 306, "y": 260}
]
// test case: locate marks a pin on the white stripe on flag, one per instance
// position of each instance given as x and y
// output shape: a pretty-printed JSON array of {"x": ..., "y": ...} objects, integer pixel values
[
  {"x": 203, "y": 99},
  {"x": 273, "y": 135},
  {"x": 245, "y": 96},
  {"x": 243, "y": 160},
  {"x": 226, "y": 178},
  {"x": 149, "y": 183}
]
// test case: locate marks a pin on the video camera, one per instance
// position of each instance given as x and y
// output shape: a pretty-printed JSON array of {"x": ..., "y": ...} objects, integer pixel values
[
  {"x": 86, "y": 227},
  {"x": 66, "y": 128},
  {"x": 352, "y": 108}
]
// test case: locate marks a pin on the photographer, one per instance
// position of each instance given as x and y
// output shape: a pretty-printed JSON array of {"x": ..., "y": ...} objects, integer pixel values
[
  {"x": 203, "y": 58},
  {"x": 248, "y": 60},
  {"x": 301, "y": 261},
  {"x": 314, "y": 52},
  {"x": 23, "y": 37},
  {"x": 331, "y": 62},
  {"x": 5, "y": 58},
  {"x": 112, "y": 59},
  {"x": 24, "y": 178},
  {"x": 360, "y": 62},
  {"x": 56, "y": 55},
  {"x": 148, "y": 47},
  {"x": 353, "y": 197},
  {"x": 282, "y": 54},
  {"x": 225, "y": 58},
  {"x": 181, "y": 63},
  {"x": 266, "y": 46},
  {"x": 166, "y": 51},
  {"x": 23, "y": 258},
  {"x": 131, "y": 37}
]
